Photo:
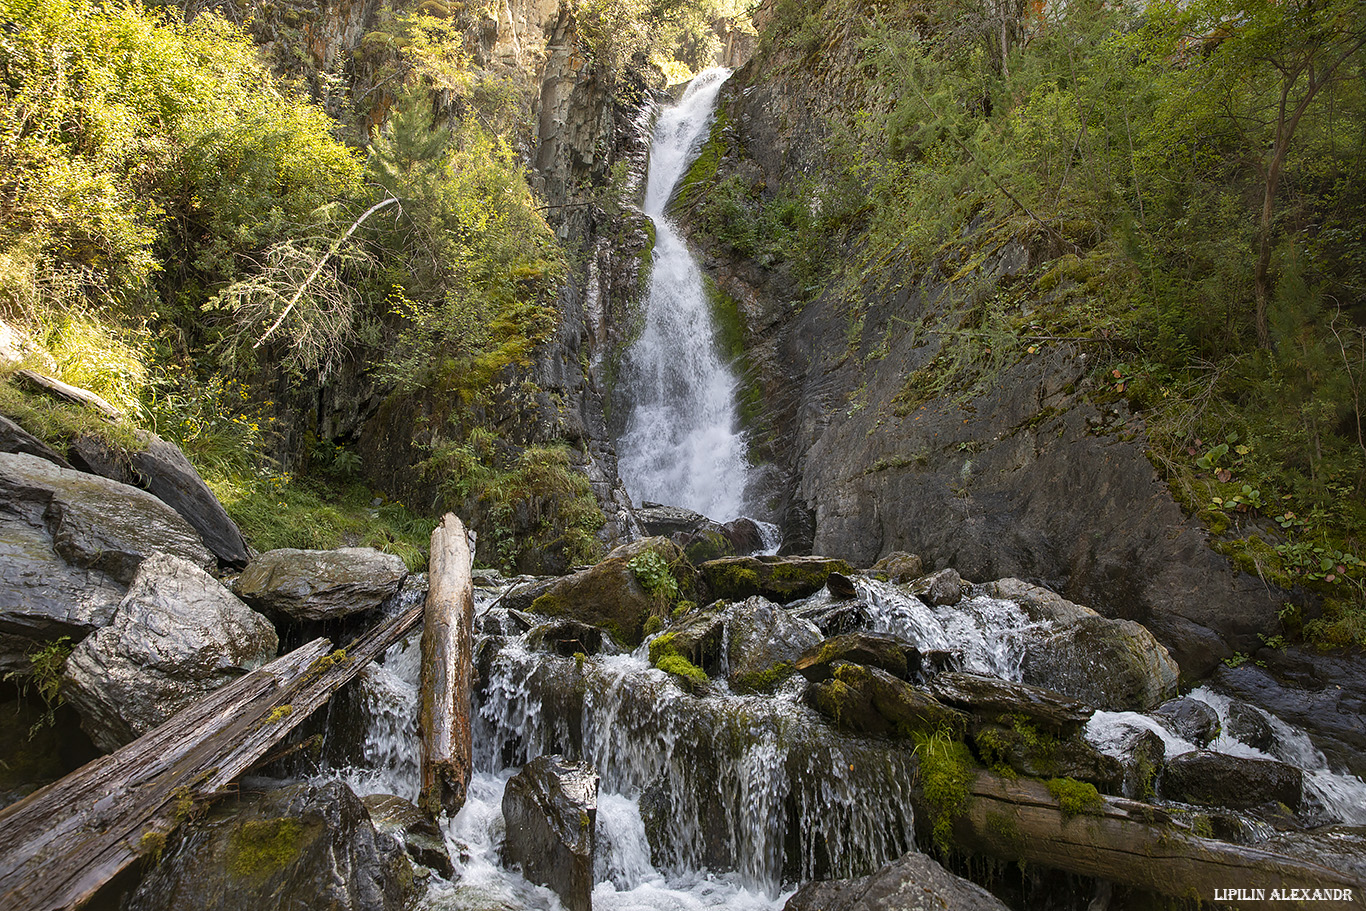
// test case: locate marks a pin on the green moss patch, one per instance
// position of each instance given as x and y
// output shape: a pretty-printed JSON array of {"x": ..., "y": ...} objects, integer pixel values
[
  {"x": 260, "y": 848},
  {"x": 1075, "y": 797}
]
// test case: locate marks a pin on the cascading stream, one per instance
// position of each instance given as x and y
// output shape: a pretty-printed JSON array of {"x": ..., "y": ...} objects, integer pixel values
[{"x": 681, "y": 445}]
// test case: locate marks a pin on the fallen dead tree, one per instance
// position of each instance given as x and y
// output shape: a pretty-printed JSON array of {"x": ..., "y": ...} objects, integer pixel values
[
  {"x": 447, "y": 659},
  {"x": 63, "y": 842},
  {"x": 1127, "y": 842}
]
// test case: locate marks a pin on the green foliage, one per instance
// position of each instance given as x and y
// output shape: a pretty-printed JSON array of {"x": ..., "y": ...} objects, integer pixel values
[
  {"x": 45, "y": 663},
  {"x": 523, "y": 499},
  {"x": 655, "y": 575},
  {"x": 947, "y": 772},
  {"x": 140, "y": 144}
]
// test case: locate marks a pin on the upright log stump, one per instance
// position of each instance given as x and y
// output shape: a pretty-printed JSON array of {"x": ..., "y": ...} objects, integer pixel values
[{"x": 447, "y": 660}]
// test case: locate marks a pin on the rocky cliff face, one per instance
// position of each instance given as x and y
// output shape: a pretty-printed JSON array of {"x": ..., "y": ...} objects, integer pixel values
[{"x": 1033, "y": 471}]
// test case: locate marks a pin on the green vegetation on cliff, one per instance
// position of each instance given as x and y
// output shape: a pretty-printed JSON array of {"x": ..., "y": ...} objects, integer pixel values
[{"x": 1185, "y": 184}]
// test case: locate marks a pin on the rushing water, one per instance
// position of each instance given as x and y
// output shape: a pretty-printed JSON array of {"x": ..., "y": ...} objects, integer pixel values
[
  {"x": 682, "y": 445},
  {"x": 724, "y": 800}
]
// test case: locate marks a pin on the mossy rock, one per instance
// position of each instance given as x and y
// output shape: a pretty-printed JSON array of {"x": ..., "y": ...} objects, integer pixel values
[
  {"x": 610, "y": 594},
  {"x": 706, "y": 545},
  {"x": 780, "y": 579},
  {"x": 869, "y": 649},
  {"x": 871, "y": 701},
  {"x": 1025, "y": 750},
  {"x": 304, "y": 840}
]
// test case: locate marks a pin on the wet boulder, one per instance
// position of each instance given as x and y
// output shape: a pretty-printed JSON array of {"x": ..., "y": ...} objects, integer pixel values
[
  {"x": 764, "y": 643},
  {"x": 568, "y": 638},
  {"x": 1250, "y": 725},
  {"x": 1025, "y": 749},
  {"x": 1236, "y": 782},
  {"x": 838, "y": 617},
  {"x": 744, "y": 534},
  {"x": 1141, "y": 755},
  {"x": 944, "y": 587},
  {"x": 1109, "y": 664},
  {"x": 310, "y": 846},
  {"x": 780, "y": 579},
  {"x": 161, "y": 469},
  {"x": 613, "y": 595},
  {"x": 820, "y": 661},
  {"x": 1190, "y": 719},
  {"x": 666, "y": 521},
  {"x": 176, "y": 637},
  {"x": 551, "y": 809},
  {"x": 1041, "y": 605},
  {"x": 321, "y": 584},
  {"x": 840, "y": 587},
  {"x": 1001, "y": 701},
  {"x": 706, "y": 544},
  {"x": 402, "y": 820},
  {"x": 914, "y": 882},
  {"x": 697, "y": 637},
  {"x": 899, "y": 567},
  {"x": 868, "y": 700}
]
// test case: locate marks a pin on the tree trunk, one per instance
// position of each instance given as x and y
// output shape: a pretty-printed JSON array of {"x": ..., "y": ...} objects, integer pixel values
[
  {"x": 1127, "y": 842},
  {"x": 447, "y": 662}
]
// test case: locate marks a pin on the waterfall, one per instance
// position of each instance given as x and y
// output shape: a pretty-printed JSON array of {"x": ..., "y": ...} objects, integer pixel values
[{"x": 681, "y": 445}]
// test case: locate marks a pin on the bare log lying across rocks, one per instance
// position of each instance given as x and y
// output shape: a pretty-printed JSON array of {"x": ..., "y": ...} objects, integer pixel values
[
  {"x": 447, "y": 659},
  {"x": 1131, "y": 843},
  {"x": 63, "y": 842}
]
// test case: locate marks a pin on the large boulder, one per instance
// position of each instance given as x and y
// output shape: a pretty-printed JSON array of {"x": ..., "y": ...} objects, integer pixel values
[
  {"x": 780, "y": 579},
  {"x": 176, "y": 637},
  {"x": 912, "y": 883},
  {"x": 611, "y": 594},
  {"x": 551, "y": 809},
  {"x": 944, "y": 587},
  {"x": 899, "y": 567},
  {"x": 1236, "y": 782},
  {"x": 321, "y": 584},
  {"x": 1109, "y": 664},
  {"x": 161, "y": 469},
  {"x": 305, "y": 846},
  {"x": 764, "y": 642},
  {"x": 69, "y": 545},
  {"x": 94, "y": 522}
]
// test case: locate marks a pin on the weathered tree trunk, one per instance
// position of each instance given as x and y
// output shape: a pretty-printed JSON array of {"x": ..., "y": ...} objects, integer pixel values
[
  {"x": 447, "y": 659},
  {"x": 63, "y": 842},
  {"x": 1126, "y": 842}
]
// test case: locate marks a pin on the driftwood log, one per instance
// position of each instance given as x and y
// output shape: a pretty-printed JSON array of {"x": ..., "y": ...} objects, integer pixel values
[
  {"x": 1127, "y": 842},
  {"x": 447, "y": 659},
  {"x": 60, "y": 844},
  {"x": 67, "y": 393}
]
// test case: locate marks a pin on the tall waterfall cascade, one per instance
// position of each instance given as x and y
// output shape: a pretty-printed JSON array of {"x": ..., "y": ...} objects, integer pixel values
[{"x": 682, "y": 445}]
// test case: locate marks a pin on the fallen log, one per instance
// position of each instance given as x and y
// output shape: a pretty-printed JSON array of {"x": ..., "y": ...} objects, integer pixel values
[
  {"x": 66, "y": 392},
  {"x": 1127, "y": 842},
  {"x": 65, "y": 841},
  {"x": 447, "y": 658}
]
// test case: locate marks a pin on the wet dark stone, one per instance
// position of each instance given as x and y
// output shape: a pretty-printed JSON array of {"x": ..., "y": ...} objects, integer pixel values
[
  {"x": 745, "y": 536},
  {"x": 1000, "y": 701},
  {"x": 568, "y": 638},
  {"x": 419, "y": 836},
  {"x": 870, "y": 649},
  {"x": 834, "y": 619},
  {"x": 551, "y": 809},
  {"x": 1250, "y": 725},
  {"x": 1190, "y": 719},
  {"x": 912, "y": 883},
  {"x": 301, "y": 846},
  {"x": 841, "y": 586},
  {"x": 1220, "y": 780},
  {"x": 1031, "y": 752},
  {"x": 944, "y": 587}
]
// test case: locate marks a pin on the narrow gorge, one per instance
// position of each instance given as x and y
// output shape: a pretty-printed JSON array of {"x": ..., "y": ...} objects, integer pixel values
[{"x": 911, "y": 456}]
